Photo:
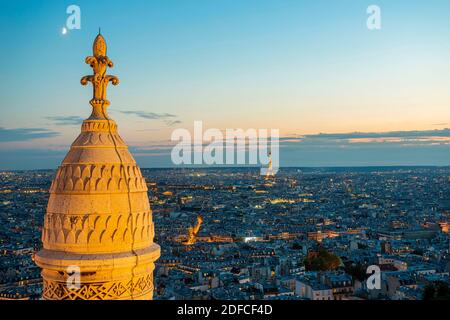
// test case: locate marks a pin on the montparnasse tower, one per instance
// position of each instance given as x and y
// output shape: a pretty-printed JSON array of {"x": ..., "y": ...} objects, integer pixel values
[{"x": 98, "y": 229}]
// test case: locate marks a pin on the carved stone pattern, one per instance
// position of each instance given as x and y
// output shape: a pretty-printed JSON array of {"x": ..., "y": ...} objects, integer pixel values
[
  {"x": 99, "y": 291},
  {"x": 99, "y": 139},
  {"x": 98, "y": 178},
  {"x": 99, "y": 126},
  {"x": 97, "y": 229}
]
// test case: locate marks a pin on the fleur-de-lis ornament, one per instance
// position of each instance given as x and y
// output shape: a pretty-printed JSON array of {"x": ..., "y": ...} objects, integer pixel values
[{"x": 99, "y": 62}]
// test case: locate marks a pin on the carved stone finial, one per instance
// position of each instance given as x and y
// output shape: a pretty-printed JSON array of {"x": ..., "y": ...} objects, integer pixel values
[{"x": 99, "y": 62}]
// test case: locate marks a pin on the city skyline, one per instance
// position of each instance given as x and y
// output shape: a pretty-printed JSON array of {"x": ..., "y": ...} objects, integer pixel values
[
  {"x": 341, "y": 95},
  {"x": 253, "y": 151},
  {"x": 230, "y": 234}
]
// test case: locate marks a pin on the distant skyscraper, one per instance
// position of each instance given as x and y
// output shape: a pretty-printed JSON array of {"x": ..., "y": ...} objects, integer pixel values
[{"x": 98, "y": 219}]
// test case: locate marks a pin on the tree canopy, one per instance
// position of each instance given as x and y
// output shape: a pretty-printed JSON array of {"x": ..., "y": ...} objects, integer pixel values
[
  {"x": 323, "y": 260},
  {"x": 438, "y": 290}
]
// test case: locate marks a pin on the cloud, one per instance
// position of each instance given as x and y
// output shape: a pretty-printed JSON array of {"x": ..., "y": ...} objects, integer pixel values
[
  {"x": 404, "y": 138},
  {"x": 145, "y": 130},
  {"x": 30, "y": 159},
  {"x": 428, "y": 147},
  {"x": 353, "y": 140},
  {"x": 419, "y": 147},
  {"x": 66, "y": 120},
  {"x": 390, "y": 134},
  {"x": 25, "y": 134},
  {"x": 169, "y": 119},
  {"x": 151, "y": 115},
  {"x": 172, "y": 123}
]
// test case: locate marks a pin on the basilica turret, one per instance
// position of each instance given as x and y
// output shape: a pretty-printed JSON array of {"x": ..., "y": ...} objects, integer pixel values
[{"x": 98, "y": 229}]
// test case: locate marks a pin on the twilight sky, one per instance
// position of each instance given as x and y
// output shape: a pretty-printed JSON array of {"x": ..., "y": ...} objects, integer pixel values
[{"x": 340, "y": 94}]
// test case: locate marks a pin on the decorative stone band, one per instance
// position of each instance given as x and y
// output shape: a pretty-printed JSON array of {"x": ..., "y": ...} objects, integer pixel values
[
  {"x": 122, "y": 276},
  {"x": 97, "y": 103},
  {"x": 98, "y": 178},
  {"x": 99, "y": 125},
  {"x": 60, "y": 261},
  {"x": 136, "y": 289},
  {"x": 99, "y": 139},
  {"x": 98, "y": 232}
]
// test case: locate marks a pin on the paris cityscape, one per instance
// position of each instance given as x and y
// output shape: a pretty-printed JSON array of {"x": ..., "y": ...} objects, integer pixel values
[
  {"x": 230, "y": 233},
  {"x": 227, "y": 152}
]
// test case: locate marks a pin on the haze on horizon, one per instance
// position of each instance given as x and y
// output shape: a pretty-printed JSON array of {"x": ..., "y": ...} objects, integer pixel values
[{"x": 340, "y": 94}]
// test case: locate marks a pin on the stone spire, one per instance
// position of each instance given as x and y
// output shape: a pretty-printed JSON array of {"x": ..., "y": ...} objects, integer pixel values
[
  {"x": 99, "y": 62},
  {"x": 98, "y": 219}
]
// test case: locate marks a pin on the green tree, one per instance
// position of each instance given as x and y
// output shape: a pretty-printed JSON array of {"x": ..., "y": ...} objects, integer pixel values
[
  {"x": 357, "y": 271},
  {"x": 438, "y": 290},
  {"x": 323, "y": 260}
]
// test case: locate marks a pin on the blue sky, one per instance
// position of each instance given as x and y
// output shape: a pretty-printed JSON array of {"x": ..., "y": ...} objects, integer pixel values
[{"x": 305, "y": 67}]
